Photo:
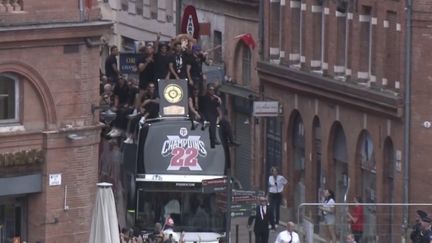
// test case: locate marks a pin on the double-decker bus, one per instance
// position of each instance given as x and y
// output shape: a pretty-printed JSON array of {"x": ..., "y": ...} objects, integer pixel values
[{"x": 172, "y": 159}]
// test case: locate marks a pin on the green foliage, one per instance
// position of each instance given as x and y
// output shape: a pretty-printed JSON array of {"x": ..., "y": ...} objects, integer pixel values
[{"x": 25, "y": 157}]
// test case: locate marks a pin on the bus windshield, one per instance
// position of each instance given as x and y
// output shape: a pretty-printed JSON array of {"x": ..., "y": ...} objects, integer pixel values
[{"x": 190, "y": 211}]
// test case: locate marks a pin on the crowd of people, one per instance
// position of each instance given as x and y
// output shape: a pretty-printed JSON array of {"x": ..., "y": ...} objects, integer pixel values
[{"x": 129, "y": 101}]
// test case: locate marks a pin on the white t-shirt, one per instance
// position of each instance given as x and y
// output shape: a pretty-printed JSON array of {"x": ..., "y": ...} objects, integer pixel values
[
  {"x": 328, "y": 205},
  {"x": 285, "y": 237},
  {"x": 168, "y": 232},
  {"x": 276, "y": 186}
]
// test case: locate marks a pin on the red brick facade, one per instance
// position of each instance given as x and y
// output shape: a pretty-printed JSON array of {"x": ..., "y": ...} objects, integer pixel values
[
  {"x": 54, "y": 57},
  {"x": 358, "y": 90}
]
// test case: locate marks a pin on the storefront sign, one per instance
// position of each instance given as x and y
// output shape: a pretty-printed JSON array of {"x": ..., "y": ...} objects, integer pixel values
[
  {"x": 266, "y": 108},
  {"x": 55, "y": 179}
]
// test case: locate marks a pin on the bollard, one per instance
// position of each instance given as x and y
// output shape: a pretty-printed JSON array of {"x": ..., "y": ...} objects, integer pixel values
[
  {"x": 237, "y": 233},
  {"x": 250, "y": 236}
]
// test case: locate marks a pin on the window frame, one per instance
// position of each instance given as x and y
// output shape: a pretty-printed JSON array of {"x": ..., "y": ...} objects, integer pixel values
[{"x": 17, "y": 85}]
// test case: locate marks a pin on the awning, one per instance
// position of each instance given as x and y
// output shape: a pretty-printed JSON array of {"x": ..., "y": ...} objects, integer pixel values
[
  {"x": 236, "y": 91},
  {"x": 21, "y": 184}
]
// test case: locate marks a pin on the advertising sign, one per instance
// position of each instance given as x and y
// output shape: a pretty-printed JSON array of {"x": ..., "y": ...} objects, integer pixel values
[
  {"x": 214, "y": 185},
  {"x": 266, "y": 108},
  {"x": 172, "y": 147},
  {"x": 128, "y": 62}
]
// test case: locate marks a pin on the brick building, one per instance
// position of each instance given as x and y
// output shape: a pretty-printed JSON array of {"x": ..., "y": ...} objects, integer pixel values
[
  {"x": 233, "y": 68},
  {"x": 49, "y": 138},
  {"x": 340, "y": 70},
  {"x": 138, "y": 22}
]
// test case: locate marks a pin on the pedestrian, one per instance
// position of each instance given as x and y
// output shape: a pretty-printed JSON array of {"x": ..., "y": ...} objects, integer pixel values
[
  {"x": 263, "y": 221},
  {"x": 350, "y": 239},
  {"x": 416, "y": 234},
  {"x": 276, "y": 184},
  {"x": 426, "y": 231},
  {"x": 356, "y": 219},
  {"x": 328, "y": 211},
  {"x": 288, "y": 235}
]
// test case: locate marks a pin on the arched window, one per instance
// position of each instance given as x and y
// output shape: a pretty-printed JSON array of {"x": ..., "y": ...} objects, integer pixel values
[{"x": 9, "y": 98}]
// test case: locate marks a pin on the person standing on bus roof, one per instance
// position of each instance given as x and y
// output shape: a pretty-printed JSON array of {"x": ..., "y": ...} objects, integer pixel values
[
  {"x": 146, "y": 66},
  {"x": 111, "y": 69},
  {"x": 276, "y": 184},
  {"x": 177, "y": 65},
  {"x": 210, "y": 108}
]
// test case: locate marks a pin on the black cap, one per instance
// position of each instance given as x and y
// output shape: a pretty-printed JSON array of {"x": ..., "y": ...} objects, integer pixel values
[
  {"x": 426, "y": 219},
  {"x": 422, "y": 214}
]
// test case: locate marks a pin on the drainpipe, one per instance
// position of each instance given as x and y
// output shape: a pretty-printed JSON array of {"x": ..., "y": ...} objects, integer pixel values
[
  {"x": 261, "y": 29},
  {"x": 407, "y": 113},
  {"x": 81, "y": 9},
  {"x": 179, "y": 15}
]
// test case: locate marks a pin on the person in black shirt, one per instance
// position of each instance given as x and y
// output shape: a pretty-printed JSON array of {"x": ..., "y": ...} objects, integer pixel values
[
  {"x": 194, "y": 68},
  {"x": 162, "y": 59},
  {"x": 111, "y": 70},
  {"x": 121, "y": 106},
  {"x": 146, "y": 66},
  {"x": 210, "y": 109},
  {"x": 148, "y": 102},
  {"x": 416, "y": 234},
  {"x": 177, "y": 64}
]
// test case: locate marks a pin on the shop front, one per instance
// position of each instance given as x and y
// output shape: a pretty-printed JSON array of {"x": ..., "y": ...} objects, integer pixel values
[{"x": 13, "y": 206}]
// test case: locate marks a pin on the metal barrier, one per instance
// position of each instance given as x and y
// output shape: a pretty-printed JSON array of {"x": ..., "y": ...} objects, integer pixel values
[{"x": 382, "y": 222}]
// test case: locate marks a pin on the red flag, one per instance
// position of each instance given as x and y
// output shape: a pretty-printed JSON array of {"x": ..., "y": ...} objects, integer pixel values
[{"x": 247, "y": 39}]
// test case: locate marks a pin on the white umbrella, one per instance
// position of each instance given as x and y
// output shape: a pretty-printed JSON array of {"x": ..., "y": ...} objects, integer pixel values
[{"x": 104, "y": 227}]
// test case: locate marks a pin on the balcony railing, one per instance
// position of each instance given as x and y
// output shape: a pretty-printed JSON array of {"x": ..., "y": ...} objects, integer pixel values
[{"x": 11, "y": 6}]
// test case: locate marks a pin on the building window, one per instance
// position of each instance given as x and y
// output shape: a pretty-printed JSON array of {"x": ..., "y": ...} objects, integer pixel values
[
  {"x": 9, "y": 95},
  {"x": 392, "y": 47},
  {"x": 273, "y": 144},
  {"x": 246, "y": 65},
  {"x": 317, "y": 35},
  {"x": 169, "y": 11},
  {"x": 294, "y": 56},
  {"x": 274, "y": 32},
  {"x": 343, "y": 25},
  {"x": 124, "y": 5},
  {"x": 366, "y": 45},
  {"x": 128, "y": 44},
  {"x": 139, "y": 7},
  {"x": 154, "y": 9},
  {"x": 217, "y": 40}
]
